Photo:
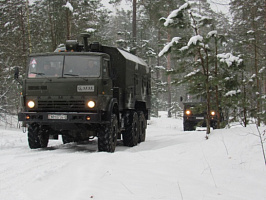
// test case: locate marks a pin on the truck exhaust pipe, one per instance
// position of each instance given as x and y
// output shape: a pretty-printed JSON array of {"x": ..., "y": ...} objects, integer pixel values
[{"x": 85, "y": 37}]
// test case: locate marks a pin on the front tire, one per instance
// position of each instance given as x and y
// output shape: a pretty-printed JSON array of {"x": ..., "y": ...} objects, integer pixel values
[
  {"x": 189, "y": 126},
  {"x": 37, "y": 137},
  {"x": 107, "y": 137}
]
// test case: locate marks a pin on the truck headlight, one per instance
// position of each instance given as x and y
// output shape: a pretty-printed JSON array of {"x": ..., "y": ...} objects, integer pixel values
[
  {"x": 188, "y": 112},
  {"x": 31, "y": 104},
  {"x": 213, "y": 113},
  {"x": 91, "y": 104}
]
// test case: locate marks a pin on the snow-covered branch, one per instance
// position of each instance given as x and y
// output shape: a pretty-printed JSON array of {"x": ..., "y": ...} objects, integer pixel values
[
  {"x": 166, "y": 48},
  {"x": 229, "y": 59},
  {"x": 69, "y": 6},
  {"x": 169, "y": 20}
]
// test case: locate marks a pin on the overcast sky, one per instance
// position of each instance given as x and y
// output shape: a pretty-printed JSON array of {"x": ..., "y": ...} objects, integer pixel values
[{"x": 216, "y": 5}]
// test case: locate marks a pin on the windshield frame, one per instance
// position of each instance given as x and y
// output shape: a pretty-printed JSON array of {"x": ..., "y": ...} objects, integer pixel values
[{"x": 60, "y": 59}]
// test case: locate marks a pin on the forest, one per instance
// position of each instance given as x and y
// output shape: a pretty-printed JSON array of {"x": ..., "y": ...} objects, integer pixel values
[{"x": 190, "y": 48}]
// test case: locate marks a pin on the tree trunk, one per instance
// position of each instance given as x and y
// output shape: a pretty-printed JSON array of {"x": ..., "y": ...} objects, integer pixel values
[
  {"x": 258, "y": 92},
  {"x": 28, "y": 22},
  {"x": 169, "y": 80},
  {"x": 52, "y": 31},
  {"x": 134, "y": 25},
  {"x": 216, "y": 88}
]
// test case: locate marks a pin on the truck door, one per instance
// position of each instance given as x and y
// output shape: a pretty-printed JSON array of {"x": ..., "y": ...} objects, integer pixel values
[{"x": 107, "y": 81}]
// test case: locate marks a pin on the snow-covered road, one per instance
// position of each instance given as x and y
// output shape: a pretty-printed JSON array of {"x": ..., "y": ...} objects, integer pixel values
[{"x": 170, "y": 165}]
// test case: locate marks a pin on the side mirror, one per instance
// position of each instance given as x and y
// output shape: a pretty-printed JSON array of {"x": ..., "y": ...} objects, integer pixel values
[
  {"x": 181, "y": 99},
  {"x": 16, "y": 73}
]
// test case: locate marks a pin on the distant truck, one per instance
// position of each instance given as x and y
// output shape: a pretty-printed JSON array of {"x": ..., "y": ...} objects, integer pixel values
[
  {"x": 86, "y": 91},
  {"x": 194, "y": 114}
]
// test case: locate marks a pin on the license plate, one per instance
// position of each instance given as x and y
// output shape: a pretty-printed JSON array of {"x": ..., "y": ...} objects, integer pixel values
[
  {"x": 52, "y": 116},
  {"x": 199, "y": 117},
  {"x": 85, "y": 88}
]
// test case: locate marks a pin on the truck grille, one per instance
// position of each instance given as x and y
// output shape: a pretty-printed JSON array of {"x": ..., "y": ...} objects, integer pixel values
[{"x": 62, "y": 105}]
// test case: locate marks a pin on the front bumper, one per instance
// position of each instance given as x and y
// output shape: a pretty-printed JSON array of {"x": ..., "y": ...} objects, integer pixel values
[
  {"x": 61, "y": 117},
  {"x": 198, "y": 118}
]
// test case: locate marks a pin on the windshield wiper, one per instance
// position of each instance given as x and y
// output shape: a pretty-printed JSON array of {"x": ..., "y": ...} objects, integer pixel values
[
  {"x": 71, "y": 74},
  {"x": 41, "y": 74},
  {"x": 38, "y": 73}
]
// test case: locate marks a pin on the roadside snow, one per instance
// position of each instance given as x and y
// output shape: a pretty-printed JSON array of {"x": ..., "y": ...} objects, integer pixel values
[{"x": 171, "y": 164}]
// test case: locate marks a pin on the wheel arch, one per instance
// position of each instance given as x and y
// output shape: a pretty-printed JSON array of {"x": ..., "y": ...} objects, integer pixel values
[
  {"x": 113, "y": 108},
  {"x": 141, "y": 106}
]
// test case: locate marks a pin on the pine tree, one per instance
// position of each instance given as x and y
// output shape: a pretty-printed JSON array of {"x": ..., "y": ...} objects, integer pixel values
[
  {"x": 200, "y": 52},
  {"x": 13, "y": 51},
  {"x": 249, "y": 39}
]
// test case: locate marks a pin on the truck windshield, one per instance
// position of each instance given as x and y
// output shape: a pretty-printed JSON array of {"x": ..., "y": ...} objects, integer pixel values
[
  {"x": 194, "y": 99},
  {"x": 64, "y": 66}
]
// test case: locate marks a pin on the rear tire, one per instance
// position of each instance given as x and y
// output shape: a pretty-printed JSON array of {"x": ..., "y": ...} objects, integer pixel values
[
  {"x": 131, "y": 133},
  {"x": 142, "y": 127},
  {"x": 107, "y": 137}
]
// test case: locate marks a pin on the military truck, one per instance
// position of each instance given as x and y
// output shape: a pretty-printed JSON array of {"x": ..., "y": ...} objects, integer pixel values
[
  {"x": 194, "y": 114},
  {"x": 84, "y": 91}
]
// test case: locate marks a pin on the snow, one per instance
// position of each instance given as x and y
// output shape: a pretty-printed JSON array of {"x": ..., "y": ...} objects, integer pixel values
[
  {"x": 169, "y": 20},
  {"x": 132, "y": 57},
  {"x": 171, "y": 164},
  {"x": 194, "y": 40},
  {"x": 160, "y": 67},
  {"x": 90, "y": 30},
  {"x": 261, "y": 70},
  {"x": 184, "y": 48},
  {"x": 253, "y": 76},
  {"x": 69, "y": 6},
  {"x": 166, "y": 48},
  {"x": 229, "y": 59},
  {"x": 192, "y": 73},
  {"x": 250, "y": 32},
  {"x": 232, "y": 92},
  {"x": 7, "y": 24},
  {"x": 212, "y": 34}
]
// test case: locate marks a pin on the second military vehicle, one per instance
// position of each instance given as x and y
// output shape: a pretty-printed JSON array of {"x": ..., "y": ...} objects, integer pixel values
[
  {"x": 195, "y": 113},
  {"x": 83, "y": 92}
]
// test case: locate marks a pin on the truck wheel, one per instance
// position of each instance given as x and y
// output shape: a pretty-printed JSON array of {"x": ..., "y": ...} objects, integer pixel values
[
  {"x": 37, "y": 138},
  {"x": 188, "y": 126},
  {"x": 44, "y": 137},
  {"x": 142, "y": 127},
  {"x": 131, "y": 134},
  {"x": 107, "y": 137},
  {"x": 214, "y": 125}
]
